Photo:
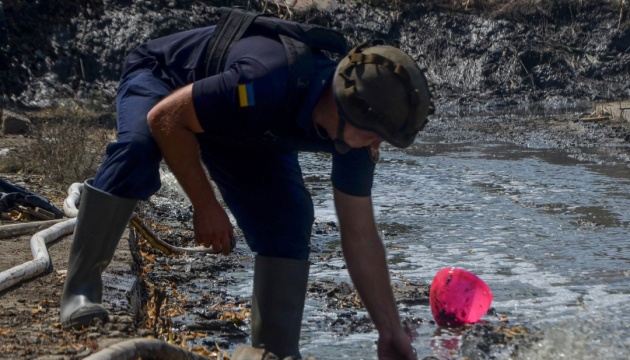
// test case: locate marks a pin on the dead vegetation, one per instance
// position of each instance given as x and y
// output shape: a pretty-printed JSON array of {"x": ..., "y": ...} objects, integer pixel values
[
  {"x": 66, "y": 145},
  {"x": 526, "y": 10}
]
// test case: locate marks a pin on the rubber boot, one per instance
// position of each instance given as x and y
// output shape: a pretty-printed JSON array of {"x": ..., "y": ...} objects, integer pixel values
[
  {"x": 101, "y": 222},
  {"x": 278, "y": 304}
]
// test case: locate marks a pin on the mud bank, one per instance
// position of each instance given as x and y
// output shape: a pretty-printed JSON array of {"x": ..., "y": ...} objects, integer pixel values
[
  {"x": 485, "y": 54},
  {"x": 601, "y": 142},
  {"x": 529, "y": 60}
]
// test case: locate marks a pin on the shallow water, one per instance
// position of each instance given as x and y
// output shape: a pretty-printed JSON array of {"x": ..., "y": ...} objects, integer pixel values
[{"x": 547, "y": 233}]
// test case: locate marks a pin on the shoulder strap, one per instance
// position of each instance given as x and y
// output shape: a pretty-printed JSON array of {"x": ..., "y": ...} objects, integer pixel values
[
  {"x": 315, "y": 36},
  {"x": 300, "y": 61},
  {"x": 229, "y": 30}
]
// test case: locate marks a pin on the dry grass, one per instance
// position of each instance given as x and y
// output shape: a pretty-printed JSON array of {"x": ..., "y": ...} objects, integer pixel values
[
  {"x": 66, "y": 146},
  {"x": 502, "y": 6}
]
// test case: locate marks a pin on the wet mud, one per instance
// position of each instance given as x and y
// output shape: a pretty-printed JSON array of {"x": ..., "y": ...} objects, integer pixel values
[
  {"x": 604, "y": 142},
  {"x": 202, "y": 300}
]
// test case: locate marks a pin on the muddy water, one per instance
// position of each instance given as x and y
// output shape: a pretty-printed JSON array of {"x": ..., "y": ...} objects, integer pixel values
[{"x": 547, "y": 233}]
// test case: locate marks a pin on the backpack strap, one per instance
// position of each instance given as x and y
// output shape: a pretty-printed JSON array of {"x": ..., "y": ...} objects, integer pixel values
[
  {"x": 300, "y": 61},
  {"x": 229, "y": 30}
]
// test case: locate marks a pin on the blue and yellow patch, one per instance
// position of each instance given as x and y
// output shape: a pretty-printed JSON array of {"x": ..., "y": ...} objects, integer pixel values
[{"x": 246, "y": 95}]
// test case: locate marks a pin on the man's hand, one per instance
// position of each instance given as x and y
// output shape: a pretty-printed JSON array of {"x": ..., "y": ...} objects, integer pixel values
[
  {"x": 213, "y": 228},
  {"x": 174, "y": 123},
  {"x": 396, "y": 346}
]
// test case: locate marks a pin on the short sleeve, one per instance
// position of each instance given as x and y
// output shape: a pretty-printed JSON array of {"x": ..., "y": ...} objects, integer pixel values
[
  {"x": 353, "y": 173},
  {"x": 250, "y": 92}
]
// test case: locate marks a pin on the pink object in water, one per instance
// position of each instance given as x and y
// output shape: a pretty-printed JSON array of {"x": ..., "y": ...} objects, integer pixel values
[{"x": 458, "y": 297}]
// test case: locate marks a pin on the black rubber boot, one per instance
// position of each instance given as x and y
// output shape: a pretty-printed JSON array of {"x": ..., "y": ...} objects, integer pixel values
[
  {"x": 101, "y": 222},
  {"x": 278, "y": 304}
]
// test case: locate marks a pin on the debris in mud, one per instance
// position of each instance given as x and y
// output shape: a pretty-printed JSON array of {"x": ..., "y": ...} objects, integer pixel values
[
  {"x": 348, "y": 315},
  {"x": 481, "y": 340},
  {"x": 171, "y": 316},
  {"x": 338, "y": 296}
]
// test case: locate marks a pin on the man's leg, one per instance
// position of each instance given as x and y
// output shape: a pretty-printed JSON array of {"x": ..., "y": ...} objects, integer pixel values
[
  {"x": 278, "y": 304},
  {"x": 130, "y": 171},
  {"x": 101, "y": 221},
  {"x": 265, "y": 191}
]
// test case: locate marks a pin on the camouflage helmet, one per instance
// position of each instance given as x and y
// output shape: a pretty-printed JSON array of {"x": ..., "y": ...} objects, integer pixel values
[{"x": 381, "y": 89}]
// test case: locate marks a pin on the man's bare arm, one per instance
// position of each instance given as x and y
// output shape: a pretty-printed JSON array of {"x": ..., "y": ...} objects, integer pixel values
[
  {"x": 365, "y": 256},
  {"x": 174, "y": 123}
]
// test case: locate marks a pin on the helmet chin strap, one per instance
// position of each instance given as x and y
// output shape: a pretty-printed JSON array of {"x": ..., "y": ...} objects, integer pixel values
[{"x": 341, "y": 145}]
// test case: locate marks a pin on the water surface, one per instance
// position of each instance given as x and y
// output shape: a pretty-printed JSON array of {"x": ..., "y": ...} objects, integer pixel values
[{"x": 547, "y": 233}]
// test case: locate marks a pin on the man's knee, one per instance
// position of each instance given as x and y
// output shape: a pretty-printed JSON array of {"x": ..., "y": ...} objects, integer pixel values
[
  {"x": 286, "y": 236},
  {"x": 130, "y": 168}
]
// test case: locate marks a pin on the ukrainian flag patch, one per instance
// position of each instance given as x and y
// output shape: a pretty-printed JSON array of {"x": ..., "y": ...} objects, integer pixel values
[{"x": 246, "y": 95}]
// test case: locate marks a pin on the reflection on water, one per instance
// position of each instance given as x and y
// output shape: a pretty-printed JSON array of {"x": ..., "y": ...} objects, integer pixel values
[{"x": 549, "y": 235}]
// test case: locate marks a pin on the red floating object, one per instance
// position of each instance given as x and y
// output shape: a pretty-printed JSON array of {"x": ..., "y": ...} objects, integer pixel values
[{"x": 458, "y": 297}]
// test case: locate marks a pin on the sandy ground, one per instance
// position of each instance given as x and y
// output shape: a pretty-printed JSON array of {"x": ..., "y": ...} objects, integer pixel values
[{"x": 29, "y": 312}]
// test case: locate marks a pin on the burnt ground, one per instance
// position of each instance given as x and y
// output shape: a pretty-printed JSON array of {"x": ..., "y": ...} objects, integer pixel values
[
  {"x": 481, "y": 54},
  {"x": 484, "y": 62}
]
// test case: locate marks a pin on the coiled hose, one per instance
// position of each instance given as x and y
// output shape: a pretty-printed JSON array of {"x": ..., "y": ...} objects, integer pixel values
[{"x": 41, "y": 259}]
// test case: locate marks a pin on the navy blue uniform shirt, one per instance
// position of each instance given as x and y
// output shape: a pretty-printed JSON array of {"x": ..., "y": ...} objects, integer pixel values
[{"x": 248, "y": 100}]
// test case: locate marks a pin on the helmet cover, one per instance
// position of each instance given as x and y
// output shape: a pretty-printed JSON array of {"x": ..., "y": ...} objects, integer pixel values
[{"x": 381, "y": 89}]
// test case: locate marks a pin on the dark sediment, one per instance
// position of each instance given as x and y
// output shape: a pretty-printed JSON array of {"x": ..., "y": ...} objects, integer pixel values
[{"x": 555, "y": 52}]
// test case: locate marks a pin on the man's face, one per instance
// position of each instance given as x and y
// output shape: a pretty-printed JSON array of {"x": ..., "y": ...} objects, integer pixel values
[{"x": 357, "y": 138}]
